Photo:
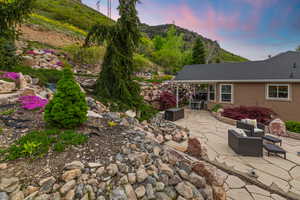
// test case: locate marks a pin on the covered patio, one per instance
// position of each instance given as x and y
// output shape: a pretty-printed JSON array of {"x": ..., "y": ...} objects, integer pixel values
[{"x": 272, "y": 171}]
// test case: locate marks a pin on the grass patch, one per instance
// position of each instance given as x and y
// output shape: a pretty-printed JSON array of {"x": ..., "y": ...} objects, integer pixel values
[
  {"x": 37, "y": 143},
  {"x": 216, "y": 107},
  {"x": 7, "y": 112},
  {"x": 71, "y": 12},
  {"x": 230, "y": 57},
  {"x": 88, "y": 55},
  {"x": 44, "y": 75},
  {"x": 52, "y": 24},
  {"x": 293, "y": 126}
]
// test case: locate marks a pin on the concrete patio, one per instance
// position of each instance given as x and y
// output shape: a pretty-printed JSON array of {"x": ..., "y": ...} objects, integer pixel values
[{"x": 273, "y": 171}]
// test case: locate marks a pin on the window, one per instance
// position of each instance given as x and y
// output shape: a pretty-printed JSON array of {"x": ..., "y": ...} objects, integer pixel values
[
  {"x": 280, "y": 92},
  {"x": 226, "y": 91},
  {"x": 212, "y": 92}
]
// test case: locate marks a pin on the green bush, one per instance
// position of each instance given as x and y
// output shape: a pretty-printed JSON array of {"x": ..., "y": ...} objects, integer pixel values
[
  {"x": 37, "y": 143},
  {"x": 85, "y": 55},
  {"x": 8, "y": 57},
  {"x": 293, "y": 126},
  {"x": 147, "y": 112},
  {"x": 216, "y": 107},
  {"x": 141, "y": 62},
  {"x": 68, "y": 108}
]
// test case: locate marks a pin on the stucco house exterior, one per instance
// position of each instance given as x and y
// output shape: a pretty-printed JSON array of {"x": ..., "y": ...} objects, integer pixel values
[{"x": 273, "y": 83}]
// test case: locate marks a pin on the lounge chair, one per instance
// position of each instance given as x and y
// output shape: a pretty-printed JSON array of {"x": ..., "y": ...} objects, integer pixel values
[
  {"x": 245, "y": 146},
  {"x": 251, "y": 130}
]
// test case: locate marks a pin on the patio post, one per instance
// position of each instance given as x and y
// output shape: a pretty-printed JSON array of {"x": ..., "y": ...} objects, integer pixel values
[{"x": 177, "y": 96}]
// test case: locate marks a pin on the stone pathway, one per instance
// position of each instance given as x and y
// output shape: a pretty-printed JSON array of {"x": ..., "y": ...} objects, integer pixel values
[{"x": 274, "y": 172}]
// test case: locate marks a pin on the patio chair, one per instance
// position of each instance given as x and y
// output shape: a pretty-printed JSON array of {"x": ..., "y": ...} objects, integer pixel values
[
  {"x": 251, "y": 130},
  {"x": 245, "y": 146}
]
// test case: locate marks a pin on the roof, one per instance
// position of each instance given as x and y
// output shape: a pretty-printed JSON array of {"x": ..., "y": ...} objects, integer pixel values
[{"x": 278, "y": 68}]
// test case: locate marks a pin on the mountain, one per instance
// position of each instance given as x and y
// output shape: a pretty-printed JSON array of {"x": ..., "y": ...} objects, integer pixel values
[
  {"x": 213, "y": 49},
  {"x": 73, "y": 19}
]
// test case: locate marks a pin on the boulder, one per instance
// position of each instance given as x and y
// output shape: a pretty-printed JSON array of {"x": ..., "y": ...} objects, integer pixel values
[
  {"x": 7, "y": 87},
  {"x": 277, "y": 127}
]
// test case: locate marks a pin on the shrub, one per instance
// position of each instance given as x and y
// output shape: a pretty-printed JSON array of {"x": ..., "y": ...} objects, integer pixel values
[
  {"x": 37, "y": 143},
  {"x": 166, "y": 100},
  {"x": 68, "y": 108},
  {"x": 85, "y": 55},
  {"x": 293, "y": 126},
  {"x": 262, "y": 115},
  {"x": 216, "y": 107},
  {"x": 8, "y": 58},
  {"x": 147, "y": 112}
]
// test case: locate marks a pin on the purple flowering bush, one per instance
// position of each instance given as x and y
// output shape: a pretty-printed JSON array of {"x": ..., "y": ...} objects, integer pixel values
[
  {"x": 11, "y": 75},
  {"x": 33, "y": 102}
]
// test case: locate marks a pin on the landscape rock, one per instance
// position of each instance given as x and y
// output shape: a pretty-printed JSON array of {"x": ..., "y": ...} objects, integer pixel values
[
  {"x": 7, "y": 87},
  {"x": 71, "y": 174},
  {"x": 130, "y": 192},
  {"x": 140, "y": 191},
  {"x": 185, "y": 190},
  {"x": 68, "y": 186},
  {"x": 74, "y": 165},
  {"x": 141, "y": 175}
]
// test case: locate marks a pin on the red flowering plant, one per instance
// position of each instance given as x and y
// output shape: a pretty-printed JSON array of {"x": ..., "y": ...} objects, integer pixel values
[
  {"x": 33, "y": 102},
  {"x": 261, "y": 114},
  {"x": 166, "y": 100}
]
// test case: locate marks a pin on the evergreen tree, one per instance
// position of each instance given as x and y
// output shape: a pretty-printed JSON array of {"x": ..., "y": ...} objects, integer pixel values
[
  {"x": 116, "y": 83},
  {"x": 199, "y": 52},
  {"x": 12, "y": 12},
  {"x": 68, "y": 108}
]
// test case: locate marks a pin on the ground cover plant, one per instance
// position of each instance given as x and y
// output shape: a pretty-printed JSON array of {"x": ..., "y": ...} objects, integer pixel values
[
  {"x": 293, "y": 126},
  {"x": 216, "y": 107},
  {"x": 32, "y": 102},
  {"x": 44, "y": 75},
  {"x": 262, "y": 115},
  {"x": 38, "y": 143}
]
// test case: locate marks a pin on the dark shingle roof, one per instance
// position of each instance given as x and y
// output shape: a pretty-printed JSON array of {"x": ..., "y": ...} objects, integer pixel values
[{"x": 278, "y": 68}]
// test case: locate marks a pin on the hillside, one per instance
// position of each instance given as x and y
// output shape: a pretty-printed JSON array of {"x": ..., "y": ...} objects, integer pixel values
[
  {"x": 213, "y": 49},
  {"x": 61, "y": 23}
]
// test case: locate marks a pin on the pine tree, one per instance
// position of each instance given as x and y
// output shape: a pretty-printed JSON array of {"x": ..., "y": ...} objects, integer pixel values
[
  {"x": 12, "y": 13},
  {"x": 116, "y": 83},
  {"x": 68, "y": 108},
  {"x": 199, "y": 52}
]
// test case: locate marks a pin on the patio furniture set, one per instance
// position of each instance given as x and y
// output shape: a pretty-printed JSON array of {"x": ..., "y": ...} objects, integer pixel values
[{"x": 249, "y": 139}]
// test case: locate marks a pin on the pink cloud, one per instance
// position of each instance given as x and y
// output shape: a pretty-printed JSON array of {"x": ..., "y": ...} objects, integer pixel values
[{"x": 208, "y": 24}]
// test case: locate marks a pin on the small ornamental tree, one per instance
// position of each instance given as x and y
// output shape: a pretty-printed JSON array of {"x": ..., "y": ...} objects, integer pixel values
[
  {"x": 12, "y": 13},
  {"x": 199, "y": 52},
  {"x": 68, "y": 108},
  {"x": 115, "y": 83}
]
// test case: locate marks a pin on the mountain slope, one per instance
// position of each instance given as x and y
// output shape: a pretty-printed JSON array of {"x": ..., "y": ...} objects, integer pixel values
[
  {"x": 214, "y": 51},
  {"x": 72, "y": 18},
  {"x": 72, "y": 12}
]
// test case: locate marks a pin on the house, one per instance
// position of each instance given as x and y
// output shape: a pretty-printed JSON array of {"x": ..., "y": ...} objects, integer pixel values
[{"x": 273, "y": 83}]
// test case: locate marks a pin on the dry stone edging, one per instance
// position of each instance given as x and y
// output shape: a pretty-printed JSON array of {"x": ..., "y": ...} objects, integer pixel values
[{"x": 249, "y": 179}]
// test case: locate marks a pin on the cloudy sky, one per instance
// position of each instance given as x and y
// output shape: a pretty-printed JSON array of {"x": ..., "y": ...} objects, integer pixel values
[{"x": 250, "y": 28}]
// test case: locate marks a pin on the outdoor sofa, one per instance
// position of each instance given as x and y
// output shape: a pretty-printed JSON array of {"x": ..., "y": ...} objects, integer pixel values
[
  {"x": 251, "y": 130},
  {"x": 244, "y": 145}
]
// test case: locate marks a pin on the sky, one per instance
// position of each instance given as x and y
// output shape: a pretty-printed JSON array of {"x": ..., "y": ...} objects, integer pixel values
[{"x": 253, "y": 29}]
